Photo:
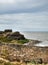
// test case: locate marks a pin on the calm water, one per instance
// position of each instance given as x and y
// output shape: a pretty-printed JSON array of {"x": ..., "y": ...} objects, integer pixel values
[{"x": 43, "y": 36}]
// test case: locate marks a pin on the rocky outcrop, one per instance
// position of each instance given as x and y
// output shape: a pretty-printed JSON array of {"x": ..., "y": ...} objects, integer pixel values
[
  {"x": 15, "y": 36},
  {"x": 12, "y": 35},
  {"x": 7, "y": 30},
  {"x": 1, "y": 32}
]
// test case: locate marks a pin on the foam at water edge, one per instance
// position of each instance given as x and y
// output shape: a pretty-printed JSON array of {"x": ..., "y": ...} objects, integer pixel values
[{"x": 43, "y": 44}]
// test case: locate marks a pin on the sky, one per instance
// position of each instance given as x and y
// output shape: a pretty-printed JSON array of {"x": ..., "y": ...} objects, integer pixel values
[{"x": 24, "y": 15}]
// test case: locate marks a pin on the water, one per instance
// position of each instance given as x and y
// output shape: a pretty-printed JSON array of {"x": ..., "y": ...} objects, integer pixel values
[{"x": 42, "y": 36}]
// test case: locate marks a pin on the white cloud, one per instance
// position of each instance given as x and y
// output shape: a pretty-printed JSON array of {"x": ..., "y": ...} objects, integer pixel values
[
  {"x": 24, "y": 14},
  {"x": 7, "y": 1},
  {"x": 25, "y": 21},
  {"x": 14, "y": 6}
]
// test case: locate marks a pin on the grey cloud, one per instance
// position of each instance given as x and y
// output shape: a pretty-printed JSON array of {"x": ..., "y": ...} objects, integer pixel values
[
  {"x": 24, "y": 15},
  {"x": 24, "y": 6},
  {"x": 24, "y": 21}
]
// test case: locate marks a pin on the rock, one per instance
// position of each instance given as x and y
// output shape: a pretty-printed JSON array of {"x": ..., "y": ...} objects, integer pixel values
[
  {"x": 7, "y": 30},
  {"x": 1, "y": 32},
  {"x": 39, "y": 60},
  {"x": 9, "y": 35},
  {"x": 15, "y": 36}
]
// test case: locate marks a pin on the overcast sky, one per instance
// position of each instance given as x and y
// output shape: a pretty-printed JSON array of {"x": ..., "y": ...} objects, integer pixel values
[{"x": 24, "y": 15}]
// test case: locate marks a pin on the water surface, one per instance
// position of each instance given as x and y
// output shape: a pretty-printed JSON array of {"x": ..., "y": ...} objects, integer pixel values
[{"x": 42, "y": 36}]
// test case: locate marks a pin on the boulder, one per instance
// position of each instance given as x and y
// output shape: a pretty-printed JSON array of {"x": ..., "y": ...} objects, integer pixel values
[{"x": 15, "y": 36}]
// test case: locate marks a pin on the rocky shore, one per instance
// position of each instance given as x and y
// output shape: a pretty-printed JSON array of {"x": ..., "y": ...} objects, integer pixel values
[
  {"x": 14, "y": 47},
  {"x": 24, "y": 53}
]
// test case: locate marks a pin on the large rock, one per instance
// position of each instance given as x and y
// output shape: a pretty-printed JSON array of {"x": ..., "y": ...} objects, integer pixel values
[{"x": 15, "y": 36}]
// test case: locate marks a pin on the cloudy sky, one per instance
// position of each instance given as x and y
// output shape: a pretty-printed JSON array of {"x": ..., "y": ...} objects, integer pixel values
[{"x": 24, "y": 15}]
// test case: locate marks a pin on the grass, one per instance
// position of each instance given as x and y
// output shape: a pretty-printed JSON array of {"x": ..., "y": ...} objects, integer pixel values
[
  {"x": 4, "y": 39},
  {"x": 23, "y": 41}
]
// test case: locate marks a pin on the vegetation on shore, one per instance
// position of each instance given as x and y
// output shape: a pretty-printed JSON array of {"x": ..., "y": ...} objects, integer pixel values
[
  {"x": 6, "y": 40},
  {"x": 8, "y": 36}
]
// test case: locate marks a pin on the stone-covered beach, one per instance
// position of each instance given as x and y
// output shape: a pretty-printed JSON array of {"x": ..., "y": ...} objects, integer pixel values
[{"x": 14, "y": 47}]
